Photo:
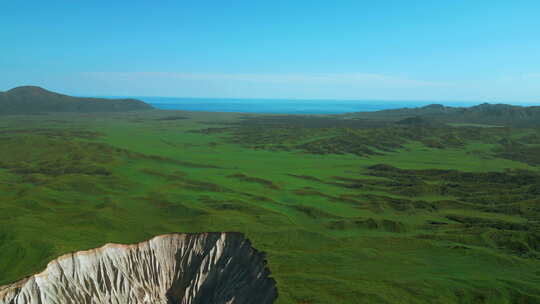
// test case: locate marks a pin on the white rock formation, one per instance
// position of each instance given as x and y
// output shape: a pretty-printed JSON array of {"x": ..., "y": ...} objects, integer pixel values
[{"x": 217, "y": 268}]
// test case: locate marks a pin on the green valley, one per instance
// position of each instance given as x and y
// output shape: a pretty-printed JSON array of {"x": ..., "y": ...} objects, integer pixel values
[{"x": 346, "y": 210}]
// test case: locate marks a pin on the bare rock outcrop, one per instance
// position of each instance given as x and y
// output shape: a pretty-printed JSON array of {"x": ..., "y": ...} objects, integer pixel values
[{"x": 217, "y": 268}]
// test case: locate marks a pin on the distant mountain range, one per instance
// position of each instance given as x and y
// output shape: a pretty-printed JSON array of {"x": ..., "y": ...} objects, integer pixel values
[
  {"x": 34, "y": 100},
  {"x": 490, "y": 114}
]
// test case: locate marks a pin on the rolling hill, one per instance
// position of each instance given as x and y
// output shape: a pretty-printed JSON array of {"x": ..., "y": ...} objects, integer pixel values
[
  {"x": 493, "y": 114},
  {"x": 34, "y": 100}
]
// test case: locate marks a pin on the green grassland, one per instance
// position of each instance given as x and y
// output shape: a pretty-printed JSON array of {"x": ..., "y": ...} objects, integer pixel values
[{"x": 347, "y": 211}]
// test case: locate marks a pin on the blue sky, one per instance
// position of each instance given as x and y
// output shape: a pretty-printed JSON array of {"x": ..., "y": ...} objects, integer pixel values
[{"x": 401, "y": 50}]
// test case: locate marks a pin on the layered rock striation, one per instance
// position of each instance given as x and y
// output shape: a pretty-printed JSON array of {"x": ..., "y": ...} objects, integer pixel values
[{"x": 217, "y": 268}]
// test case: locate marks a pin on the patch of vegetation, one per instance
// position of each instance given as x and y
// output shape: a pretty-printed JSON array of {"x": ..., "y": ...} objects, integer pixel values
[
  {"x": 522, "y": 153},
  {"x": 313, "y": 212},
  {"x": 370, "y": 223},
  {"x": 173, "y": 118},
  {"x": 337, "y": 135},
  {"x": 262, "y": 181},
  {"x": 43, "y": 155}
]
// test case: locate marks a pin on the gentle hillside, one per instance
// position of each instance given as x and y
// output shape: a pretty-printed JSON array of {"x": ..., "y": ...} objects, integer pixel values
[
  {"x": 493, "y": 114},
  {"x": 32, "y": 100}
]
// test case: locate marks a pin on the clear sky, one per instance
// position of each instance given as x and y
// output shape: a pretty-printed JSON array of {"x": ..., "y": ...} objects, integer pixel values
[{"x": 481, "y": 50}]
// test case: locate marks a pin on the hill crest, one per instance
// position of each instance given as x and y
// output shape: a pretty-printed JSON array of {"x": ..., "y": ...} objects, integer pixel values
[
  {"x": 34, "y": 100},
  {"x": 492, "y": 114}
]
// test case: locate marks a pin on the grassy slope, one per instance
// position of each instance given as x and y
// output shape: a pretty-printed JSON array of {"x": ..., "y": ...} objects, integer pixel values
[{"x": 316, "y": 249}]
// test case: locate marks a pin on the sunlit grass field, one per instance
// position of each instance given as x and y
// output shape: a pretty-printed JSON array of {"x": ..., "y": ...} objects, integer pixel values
[{"x": 336, "y": 228}]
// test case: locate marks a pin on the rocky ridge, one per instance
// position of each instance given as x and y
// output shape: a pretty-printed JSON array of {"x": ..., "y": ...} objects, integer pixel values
[{"x": 218, "y": 268}]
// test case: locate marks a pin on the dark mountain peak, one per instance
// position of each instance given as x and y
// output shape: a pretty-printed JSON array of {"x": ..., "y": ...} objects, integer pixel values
[
  {"x": 490, "y": 106},
  {"x": 485, "y": 113},
  {"x": 502, "y": 110},
  {"x": 482, "y": 105},
  {"x": 434, "y": 106},
  {"x": 34, "y": 99},
  {"x": 29, "y": 90}
]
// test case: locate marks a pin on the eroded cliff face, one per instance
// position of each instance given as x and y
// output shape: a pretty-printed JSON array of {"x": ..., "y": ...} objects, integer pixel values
[{"x": 174, "y": 268}]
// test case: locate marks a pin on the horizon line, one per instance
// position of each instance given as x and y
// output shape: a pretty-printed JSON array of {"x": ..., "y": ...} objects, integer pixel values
[{"x": 430, "y": 101}]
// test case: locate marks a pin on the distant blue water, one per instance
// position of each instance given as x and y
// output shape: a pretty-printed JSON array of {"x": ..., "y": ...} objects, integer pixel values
[{"x": 282, "y": 106}]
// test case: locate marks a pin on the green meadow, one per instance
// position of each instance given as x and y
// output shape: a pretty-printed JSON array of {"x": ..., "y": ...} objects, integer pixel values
[{"x": 346, "y": 212}]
